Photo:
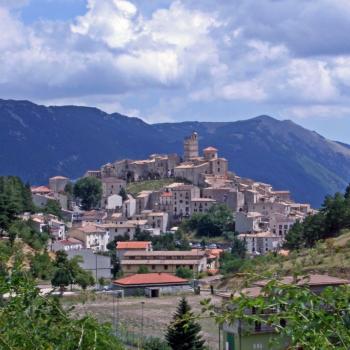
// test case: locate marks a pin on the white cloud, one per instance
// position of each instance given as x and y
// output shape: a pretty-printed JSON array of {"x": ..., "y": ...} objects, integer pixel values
[
  {"x": 184, "y": 51},
  {"x": 111, "y": 21},
  {"x": 318, "y": 111}
]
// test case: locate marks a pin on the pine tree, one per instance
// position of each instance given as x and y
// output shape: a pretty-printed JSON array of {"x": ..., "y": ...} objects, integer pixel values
[{"x": 183, "y": 331}]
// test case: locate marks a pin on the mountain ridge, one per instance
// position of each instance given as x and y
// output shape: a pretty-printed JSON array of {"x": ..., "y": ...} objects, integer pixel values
[{"x": 68, "y": 140}]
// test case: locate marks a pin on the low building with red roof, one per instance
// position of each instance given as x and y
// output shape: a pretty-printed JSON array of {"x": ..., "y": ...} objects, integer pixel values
[
  {"x": 151, "y": 284},
  {"x": 135, "y": 246}
]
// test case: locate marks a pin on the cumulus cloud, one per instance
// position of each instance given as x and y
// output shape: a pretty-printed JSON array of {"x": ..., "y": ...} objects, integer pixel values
[{"x": 131, "y": 55}]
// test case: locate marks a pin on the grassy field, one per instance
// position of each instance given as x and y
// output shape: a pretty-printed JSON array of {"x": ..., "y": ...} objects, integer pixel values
[
  {"x": 157, "y": 314},
  {"x": 330, "y": 257},
  {"x": 135, "y": 188}
]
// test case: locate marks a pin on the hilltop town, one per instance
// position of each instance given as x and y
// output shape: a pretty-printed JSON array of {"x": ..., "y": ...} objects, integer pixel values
[{"x": 195, "y": 183}]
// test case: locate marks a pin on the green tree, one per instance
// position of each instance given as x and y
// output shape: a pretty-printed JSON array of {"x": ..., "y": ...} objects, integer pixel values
[
  {"x": 215, "y": 222},
  {"x": 41, "y": 266},
  {"x": 84, "y": 279},
  {"x": 143, "y": 269},
  {"x": 89, "y": 191},
  {"x": 63, "y": 275},
  {"x": 53, "y": 207},
  {"x": 123, "y": 194},
  {"x": 183, "y": 333},
  {"x": 15, "y": 198},
  {"x": 333, "y": 216},
  {"x": 230, "y": 263},
  {"x": 102, "y": 282},
  {"x": 62, "y": 278},
  {"x": 184, "y": 272},
  {"x": 27, "y": 232},
  {"x": 141, "y": 235},
  {"x": 153, "y": 343},
  {"x": 238, "y": 248},
  {"x": 115, "y": 261},
  {"x": 308, "y": 320},
  {"x": 69, "y": 189},
  {"x": 30, "y": 320}
]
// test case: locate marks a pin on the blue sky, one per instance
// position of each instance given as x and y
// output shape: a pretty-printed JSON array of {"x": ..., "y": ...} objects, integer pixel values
[{"x": 173, "y": 60}]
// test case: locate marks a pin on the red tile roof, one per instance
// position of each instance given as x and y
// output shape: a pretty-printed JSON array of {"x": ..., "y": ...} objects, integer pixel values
[
  {"x": 150, "y": 278},
  {"x": 167, "y": 194},
  {"x": 133, "y": 245},
  {"x": 70, "y": 241},
  {"x": 210, "y": 149},
  {"x": 40, "y": 189},
  {"x": 311, "y": 280}
]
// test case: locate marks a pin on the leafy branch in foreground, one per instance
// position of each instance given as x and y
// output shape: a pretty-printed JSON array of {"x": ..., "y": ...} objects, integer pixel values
[
  {"x": 29, "y": 320},
  {"x": 304, "y": 318}
]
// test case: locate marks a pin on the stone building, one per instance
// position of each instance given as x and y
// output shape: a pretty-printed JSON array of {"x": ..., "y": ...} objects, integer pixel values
[
  {"x": 164, "y": 261},
  {"x": 201, "y": 205},
  {"x": 58, "y": 183},
  {"x": 225, "y": 195},
  {"x": 191, "y": 147}
]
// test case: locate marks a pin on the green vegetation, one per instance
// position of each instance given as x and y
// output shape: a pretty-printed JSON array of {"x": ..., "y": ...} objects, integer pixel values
[
  {"x": 41, "y": 266},
  {"x": 68, "y": 272},
  {"x": 333, "y": 217},
  {"x": 167, "y": 241},
  {"x": 134, "y": 188},
  {"x": 143, "y": 269},
  {"x": 89, "y": 191},
  {"x": 15, "y": 198},
  {"x": 234, "y": 261},
  {"x": 115, "y": 261},
  {"x": 218, "y": 221},
  {"x": 306, "y": 319},
  {"x": 123, "y": 194},
  {"x": 53, "y": 207},
  {"x": 30, "y": 321},
  {"x": 27, "y": 232},
  {"x": 183, "y": 332},
  {"x": 184, "y": 272},
  {"x": 153, "y": 343},
  {"x": 331, "y": 256}
]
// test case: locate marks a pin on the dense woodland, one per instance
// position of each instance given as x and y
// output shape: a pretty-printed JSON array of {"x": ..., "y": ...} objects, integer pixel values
[{"x": 332, "y": 218}]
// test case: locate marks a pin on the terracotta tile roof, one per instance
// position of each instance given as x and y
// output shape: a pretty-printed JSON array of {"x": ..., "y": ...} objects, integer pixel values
[
  {"x": 215, "y": 252},
  {"x": 151, "y": 261},
  {"x": 40, "y": 189},
  {"x": 311, "y": 280},
  {"x": 70, "y": 241},
  {"x": 210, "y": 149},
  {"x": 94, "y": 214},
  {"x": 167, "y": 194},
  {"x": 150, "y": 278},
  {"x": 91, "y": 229},
  {"x": 133, "y": 245},
  {"x": 59, "y": 178},
  {"x": 192, "y": 253}
]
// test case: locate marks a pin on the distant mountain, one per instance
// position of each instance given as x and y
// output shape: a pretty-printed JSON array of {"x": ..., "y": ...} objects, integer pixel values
[{"x": 38, "y": 142}]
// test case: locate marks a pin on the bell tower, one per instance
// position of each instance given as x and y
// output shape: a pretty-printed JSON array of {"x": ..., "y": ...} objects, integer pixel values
[{"x": 191, "y": 147}]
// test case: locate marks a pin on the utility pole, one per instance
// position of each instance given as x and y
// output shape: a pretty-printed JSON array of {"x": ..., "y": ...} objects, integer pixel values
[
  {"x": 142, "y": 305},
  {"x": 117, "y": 325},
  {"x": 96, "y": 268},
  {"x": 114, "y": 323}
]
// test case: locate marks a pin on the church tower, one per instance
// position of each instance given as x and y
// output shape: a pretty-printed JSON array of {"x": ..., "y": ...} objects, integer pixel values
[{"x": 191, "y": 147}]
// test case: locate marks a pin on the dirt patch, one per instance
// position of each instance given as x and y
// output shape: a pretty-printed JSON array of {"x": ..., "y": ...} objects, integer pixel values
[{"x": 157, "y": 313}]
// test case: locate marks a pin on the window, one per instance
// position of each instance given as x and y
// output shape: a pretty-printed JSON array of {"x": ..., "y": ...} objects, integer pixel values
[
  {"x": 153, "y": 267},
  {"x": 165, "y": 267},
  {"x": 257, "y": 326}
]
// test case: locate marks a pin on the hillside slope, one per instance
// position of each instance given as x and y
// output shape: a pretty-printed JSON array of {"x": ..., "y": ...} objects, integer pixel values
[{"x": 44, "y": 141}]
